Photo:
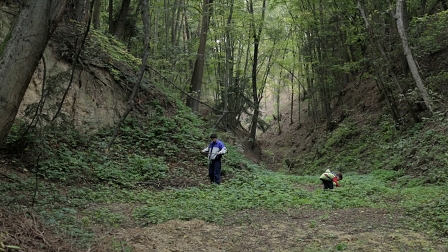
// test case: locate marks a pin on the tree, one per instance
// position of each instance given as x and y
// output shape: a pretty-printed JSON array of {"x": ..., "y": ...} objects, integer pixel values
[
  {"x": 409, "y": 57},
  {"x": 380, "y": 80},
  {"x": 21, "y": 52},
  {"x": 97, "y": 14},
  {"x": 255, "y": 96},
  {"x": 198, "y": 72},
  {"x": 82, "y": 10},
  {"x": 131, "y": 104},
  {"x": 110, "y": 9},
  {"x": 118, "y": 26}
]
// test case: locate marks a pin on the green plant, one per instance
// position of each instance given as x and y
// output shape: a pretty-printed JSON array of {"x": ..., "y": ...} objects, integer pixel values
[
  {"x": 342, "y": 135},
  {"x": 105, "y": 216},
  {"x": 341, "y": 246},
  {"x": 147, "y": 168},
  {"x": 120, "y": 246},
  {"x": 66, "y": 220}
]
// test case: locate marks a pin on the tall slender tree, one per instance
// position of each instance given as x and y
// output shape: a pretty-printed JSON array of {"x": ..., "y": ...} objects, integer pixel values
[
  {"x": 407, "y": 51},
  {"x": 198, "y": 72},
  {"x": 256, "y": 34},
  {"x": 97, "y": 14}
]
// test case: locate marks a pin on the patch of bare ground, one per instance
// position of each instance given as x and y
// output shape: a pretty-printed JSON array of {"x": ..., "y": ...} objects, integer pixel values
[
  {"x": 358, "y": 229},
  {"x": 22, "y": 228}
]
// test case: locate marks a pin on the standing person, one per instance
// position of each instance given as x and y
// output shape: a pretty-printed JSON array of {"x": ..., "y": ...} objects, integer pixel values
[
  {"x": 215, "y": 151},
  {"x": 327, "y": 179}
]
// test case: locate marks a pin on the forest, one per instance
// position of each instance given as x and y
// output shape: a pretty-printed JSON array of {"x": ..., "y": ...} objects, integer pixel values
[{"x": 105, "y": 106}]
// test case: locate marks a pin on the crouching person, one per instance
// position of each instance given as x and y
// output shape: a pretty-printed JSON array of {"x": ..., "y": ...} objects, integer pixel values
[{"x": 330, "y": 179}]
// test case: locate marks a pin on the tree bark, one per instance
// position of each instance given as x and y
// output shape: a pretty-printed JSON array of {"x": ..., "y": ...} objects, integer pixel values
[
  {"x": 198, "y": 72},
  {"x": 407, "y": 51},
  {"x": 119, "y": 24},
  {"x": 255, "y": 98},
  {"x": 82, "y": 10},
  {"x": 96, "y": 14},
  {"x": 111, "y": 16},
  {"x": 22, "y": 50},
  {"x": 381, "y": 84},
  {"x": 229, "y": 61}
]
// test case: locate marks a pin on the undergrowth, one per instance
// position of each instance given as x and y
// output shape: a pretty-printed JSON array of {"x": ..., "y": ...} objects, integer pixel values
[
  {"x": 76, "y": 186},
  {"x": 258, "y": 189},
  {"x": 419, "y": 150},
  {"x": 82, "y": 186}
]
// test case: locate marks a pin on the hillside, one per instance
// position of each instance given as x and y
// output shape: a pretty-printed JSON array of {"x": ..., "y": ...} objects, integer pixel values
[
  {"x": 359, "y": 104},
  {"x": 364, "y": 130}
]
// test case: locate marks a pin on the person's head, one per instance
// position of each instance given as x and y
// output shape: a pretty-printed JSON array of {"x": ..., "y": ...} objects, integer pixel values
[
  {"x": 214, "y": 137},
  {"x": 339, "y": 174}
]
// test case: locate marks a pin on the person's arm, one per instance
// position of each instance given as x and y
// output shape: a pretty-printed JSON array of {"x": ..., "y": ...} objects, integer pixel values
[
  {"x": 206, "y": 149},
  {"x": 223, "y": 149},
  {"x": 335, "y": 180}
]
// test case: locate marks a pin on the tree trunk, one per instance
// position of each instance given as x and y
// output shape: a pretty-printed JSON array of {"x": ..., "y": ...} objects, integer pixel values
[
  {"x": 119, "y": 24},
  {"x": 228, "y": 74},
  {"x": 256, "y": 100},
  {"x": 111, "y": 16},
  {"x": 175, "y": 21},
  {"x": 96, "y": 14},
  {"x": 23, "y": 49},
  {"x": 198, "y": 72},
  {"x": 444, "y": 5},
  {"x": 82, "y": 10},
  {"x": 409, "y": 57},
  {"x": 277, "y": 105},
  {"x": 381, "y": 84}
]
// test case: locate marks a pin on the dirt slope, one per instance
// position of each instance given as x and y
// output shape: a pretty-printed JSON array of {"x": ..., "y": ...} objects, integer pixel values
[{"x": 359, "y": 101}]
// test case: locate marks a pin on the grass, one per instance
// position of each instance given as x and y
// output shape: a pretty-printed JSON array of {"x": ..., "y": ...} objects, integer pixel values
[{"x": 261, "y": 189}]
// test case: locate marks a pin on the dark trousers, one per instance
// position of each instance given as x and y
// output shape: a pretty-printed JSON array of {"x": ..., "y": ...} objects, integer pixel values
[
  {"x": 328, "y": 184},
  {"x": 214, "y": 171}
]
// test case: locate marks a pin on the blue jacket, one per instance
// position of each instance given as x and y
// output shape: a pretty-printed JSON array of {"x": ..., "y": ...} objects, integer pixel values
[{"x": 215, "y": 150}]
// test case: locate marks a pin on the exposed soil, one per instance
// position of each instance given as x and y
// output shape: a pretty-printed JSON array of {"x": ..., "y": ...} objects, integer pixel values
[{"x": 297, "y": 230}]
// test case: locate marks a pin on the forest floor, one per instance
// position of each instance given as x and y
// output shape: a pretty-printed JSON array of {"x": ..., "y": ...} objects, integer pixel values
[
  {"x": 303, "y": 229},
  {"x": 300, "y": 229},
  {"x": 357, "y": 229}
]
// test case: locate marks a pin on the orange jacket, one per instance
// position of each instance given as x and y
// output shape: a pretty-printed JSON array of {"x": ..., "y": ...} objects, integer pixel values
[{"x": 335, "y": 181}]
